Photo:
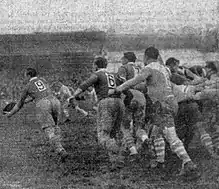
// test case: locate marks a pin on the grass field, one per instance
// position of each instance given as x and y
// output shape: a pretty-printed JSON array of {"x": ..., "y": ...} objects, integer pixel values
[{"x": 27, "y": 161}]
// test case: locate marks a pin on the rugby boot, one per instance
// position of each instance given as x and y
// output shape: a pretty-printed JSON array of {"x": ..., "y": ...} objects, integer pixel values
[
  {"x": 63, "y": 156},
  {"x": 190, "y": 171}
]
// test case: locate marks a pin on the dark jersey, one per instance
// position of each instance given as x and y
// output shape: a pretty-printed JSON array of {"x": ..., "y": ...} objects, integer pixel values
[
  {"x": 37, "y": 89},
  {"x": 102, "y": 81},
  {"x": 128, "y": 71},
  {"x": 178, "y": 79}
]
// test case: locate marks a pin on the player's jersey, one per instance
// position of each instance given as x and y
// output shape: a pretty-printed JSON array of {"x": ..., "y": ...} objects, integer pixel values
[
  {"x": 158, "y": 83},
  {"x": 38, "y": 88},
  {"x": 178, "y": 79},
  {"x": 157, "y": 77},
  {"x": 102, "y": 81},
  {"x": 128, "y": 71}
]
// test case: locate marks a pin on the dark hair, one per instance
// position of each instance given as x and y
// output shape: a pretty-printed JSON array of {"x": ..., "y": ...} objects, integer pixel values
[
  {"x": 196, "y": 70},
  {"x": 130, "y": 56},
  {"x": 100, "y": 62},
  {"x": 31, "y": 72},
  {"x": 152, "y": 52},
  {"x": 172, "y": 61},
  {"x": 211, "y": 65}
]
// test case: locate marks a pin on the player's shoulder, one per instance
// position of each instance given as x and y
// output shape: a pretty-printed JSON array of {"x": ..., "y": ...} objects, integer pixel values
[
  {"x": 101, "y": 72},
  {"x": 36, "y": 81},
  {"x": 153, "y": 65},
  {"x": 124, "y": 66}
]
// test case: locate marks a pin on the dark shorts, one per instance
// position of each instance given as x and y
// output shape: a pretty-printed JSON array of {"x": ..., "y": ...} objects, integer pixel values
[{"x": 188, "y": 113}]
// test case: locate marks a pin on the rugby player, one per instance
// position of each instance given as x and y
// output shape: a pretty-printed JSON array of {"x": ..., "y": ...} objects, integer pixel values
[
  {"x": 135, "y": 106},
  {"x": 160, "y": 91},
  {"x": 110, "y": 113},
  {"x": 189, "y": 113},
  {"x": 63, "y": 92},
  {"x": 47, "y": 108}
]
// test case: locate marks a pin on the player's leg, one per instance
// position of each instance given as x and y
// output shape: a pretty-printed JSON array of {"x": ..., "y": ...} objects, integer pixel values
[
  {"x": 166, "y": 121},
  {"x": 139, "y": 123},
  {"x": 128, "y": 134},
  {"x": 105, "y": 123},
  {"x": 66, "y": 111},
  {"x": 195, "y": 120},
  {"x": 118, "y": 158},
  {"x": 43, "y": 111},
  {"x": 81, "y": 111},
  {"x": 215, "y": 136},
  {"x": 156, "y": 134}
]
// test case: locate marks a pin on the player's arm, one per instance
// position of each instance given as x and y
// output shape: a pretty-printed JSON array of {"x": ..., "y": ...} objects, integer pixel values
[
  {"x": 196, "y": 79},
  {"x": 122, "y": 75},
  {"x": 29, "y": 100},
  {"x": 20, "y": 104},
  {"x": 145, "y": 73},
  {"x": 84, "y": 86},
  {"x": 178, "y": 79}
]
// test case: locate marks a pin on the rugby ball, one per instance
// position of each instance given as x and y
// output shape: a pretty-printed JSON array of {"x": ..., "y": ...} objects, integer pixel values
[{"x": 9, "y": 107}]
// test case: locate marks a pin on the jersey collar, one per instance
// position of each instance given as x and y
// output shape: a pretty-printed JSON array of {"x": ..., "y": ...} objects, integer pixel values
[
  {"x": 33, "y": 78},
  {"x": 132, "y": 63},
  {"x": 102, "y": 69}
]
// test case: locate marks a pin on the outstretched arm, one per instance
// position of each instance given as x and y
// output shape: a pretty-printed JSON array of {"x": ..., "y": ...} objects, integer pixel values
[
  {"x": 28, "y": 100},
  {"x": 145, "y": 73},
  {"x": 20, "y": 104},
  {"x": 85, "y": 85}
]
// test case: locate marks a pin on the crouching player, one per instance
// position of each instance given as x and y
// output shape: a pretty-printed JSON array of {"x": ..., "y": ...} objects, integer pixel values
[
  {"x": 134, "y": 101},
  {"x": 110, "y": 113},
  {"x": 63, "y": 92},
  {"x": 211, "y": 92},
  {"x": 47, "y": 108}
]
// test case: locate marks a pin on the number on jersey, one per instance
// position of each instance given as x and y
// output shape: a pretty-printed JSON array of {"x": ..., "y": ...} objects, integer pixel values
[
  {"x": 111, "y": 81},
  {"x": 40, "y": 85}
]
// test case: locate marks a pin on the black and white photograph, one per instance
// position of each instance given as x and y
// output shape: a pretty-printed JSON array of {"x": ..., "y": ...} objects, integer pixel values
[{"x": 109, "y": 94}]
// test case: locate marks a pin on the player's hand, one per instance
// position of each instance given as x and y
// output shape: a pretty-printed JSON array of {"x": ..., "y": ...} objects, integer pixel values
[
  {"x": 113, "y": 91},
  {"x": 7, "y": 114},
  {"x": 72, "y": 102},
  {"x": 197, "y": 96}
]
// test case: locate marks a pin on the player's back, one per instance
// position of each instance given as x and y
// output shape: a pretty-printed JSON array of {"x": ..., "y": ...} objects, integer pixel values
[
  {"x": 38, "y": 88},
  {"x": 158, "y": 83},
  {"x": 129, "y": 71},
  {"x": 105, "y": 81}
]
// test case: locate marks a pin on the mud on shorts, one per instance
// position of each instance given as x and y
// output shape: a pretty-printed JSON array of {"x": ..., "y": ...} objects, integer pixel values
[
  {"x": 135, "y": 111},
  {"x": 188, "y": 113},
  {"x": 163, "y": 114},
  {"x": 109, "y": 118},
  {"x": 48, "y": 111}
]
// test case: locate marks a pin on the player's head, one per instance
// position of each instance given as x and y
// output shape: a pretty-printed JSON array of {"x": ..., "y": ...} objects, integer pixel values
[
  {"x": 30, "y": 73},
  {"x": 173, "y": 64},
  {"x": 211, "y": 67},
  {"x": 99, "y": 63},
  {"x": 151, "y": 53},
  {"x": 128, "y": 57}
]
